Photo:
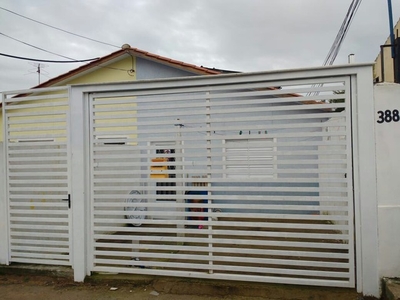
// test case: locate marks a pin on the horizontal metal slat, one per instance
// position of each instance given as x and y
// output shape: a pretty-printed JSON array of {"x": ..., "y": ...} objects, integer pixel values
[
  {"x": 38, "y": 189},
  {"x": 136, "y": 182},
  {"x": 235, "y": 82},
  {"x": 43, "y": 255},
  {"x": 171, "y": 205},
  {"x": 207, "y": 135},
  {"x": 204, "y": 94},
  {"x": 45, "y": 105},
  {"x": 228, "y": 250},
  {"x": 42, "y": 249},
  {"x": 40, "y": 227},
  {"x": 36, "y": 181},
  {"x": 32, "y": 128},
  {"x": 220, "y": 276},
  {"x": 41, "y": 261},
  {"x": 21, "y": 122},
  {"x": 260, "y": 269},
  {"x": 36, "y": 136},
  {"x": 268, "y": 224},
  {"x": 42, "y": 212},
  {"x": 248, "y": 234},
  {"x": 13, "y": 100},
  {"x": 227, "y": 241},
  {"x": 32, "y": 235},
  {"x": 230, "y": 188},
  {"x": 239, "y": 215},
  {"x": 39, "y": 243},
  {"x": 28, "y": 113},
  {"x": 231, "y": 259}
]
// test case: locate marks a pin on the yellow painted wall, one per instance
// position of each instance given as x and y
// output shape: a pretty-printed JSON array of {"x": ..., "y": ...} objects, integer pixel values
[
  {"x": 387, "y": 60},
  {"x": 115, "y": 72}
]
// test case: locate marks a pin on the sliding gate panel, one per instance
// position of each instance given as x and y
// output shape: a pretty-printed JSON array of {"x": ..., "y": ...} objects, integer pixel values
[
  {"x": 37, "y": 176},
  {"x": 239, "y": 181}
]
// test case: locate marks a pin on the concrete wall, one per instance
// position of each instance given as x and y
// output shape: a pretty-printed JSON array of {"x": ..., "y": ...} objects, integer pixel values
[{"x": 387, "y": 134}]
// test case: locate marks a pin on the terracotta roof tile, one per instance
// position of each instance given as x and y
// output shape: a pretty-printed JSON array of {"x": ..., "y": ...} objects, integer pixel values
[{"x": 134, "y": 51}]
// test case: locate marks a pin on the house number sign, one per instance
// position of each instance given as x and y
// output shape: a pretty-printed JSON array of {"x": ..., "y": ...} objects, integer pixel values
[{"x": 388, "y": 116}]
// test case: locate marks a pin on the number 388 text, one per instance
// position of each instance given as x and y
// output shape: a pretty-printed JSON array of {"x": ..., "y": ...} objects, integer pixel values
[{"x": 388, "y": 116}]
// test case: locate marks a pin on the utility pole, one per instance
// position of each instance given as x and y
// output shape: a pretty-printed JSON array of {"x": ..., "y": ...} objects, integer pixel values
[
  {"x": 393, "y": 46},
  {"x": 391, "y": 26}
]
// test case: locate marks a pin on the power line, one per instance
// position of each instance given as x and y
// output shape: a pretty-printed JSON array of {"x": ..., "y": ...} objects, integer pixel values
[
  {"x": 30, "y": 45},
  {"x": 60, "y": 29},
  {"x": 344, "y": 28},
  {"x": 66, "y": 61},
  {"x": 48, "y": 61},
  {"x": 337, "y": 43}
]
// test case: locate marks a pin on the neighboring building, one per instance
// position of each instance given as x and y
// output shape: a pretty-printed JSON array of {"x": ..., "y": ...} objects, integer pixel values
[{"x": 384, "y": 69}]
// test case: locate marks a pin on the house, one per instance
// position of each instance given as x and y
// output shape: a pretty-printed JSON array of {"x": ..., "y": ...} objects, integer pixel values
[
  {"x": 219, "y": 177},
  {"x": 384, "y": 69},
  {"x": 126, "y": 64}
]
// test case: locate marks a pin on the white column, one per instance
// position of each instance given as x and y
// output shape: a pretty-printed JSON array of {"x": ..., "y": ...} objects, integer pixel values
[
  {"x": 79, "y": 200},
  {"x": 4, "y": 259},
  {"x": 365, "y": 184}
]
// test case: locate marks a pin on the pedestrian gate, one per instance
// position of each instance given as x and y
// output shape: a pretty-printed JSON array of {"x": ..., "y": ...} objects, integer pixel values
[{"x": 37, "y": 176}]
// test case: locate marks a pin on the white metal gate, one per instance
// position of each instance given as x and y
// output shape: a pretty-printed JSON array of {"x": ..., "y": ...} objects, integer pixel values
[
  {"x": 243, "y": 181},
  {"x": 37, "y": 176}
]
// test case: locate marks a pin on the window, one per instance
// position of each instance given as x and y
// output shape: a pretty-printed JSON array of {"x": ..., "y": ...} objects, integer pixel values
[
  {"x": 250, "y": 158},
  {"x": 157, "y": 170}
]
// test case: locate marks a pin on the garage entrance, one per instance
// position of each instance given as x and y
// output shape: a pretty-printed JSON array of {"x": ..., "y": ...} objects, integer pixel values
[{"x": 245, "y": 181}]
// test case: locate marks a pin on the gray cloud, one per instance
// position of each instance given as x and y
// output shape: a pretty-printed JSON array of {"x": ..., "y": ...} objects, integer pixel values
[{"x": 251, "y": 35}]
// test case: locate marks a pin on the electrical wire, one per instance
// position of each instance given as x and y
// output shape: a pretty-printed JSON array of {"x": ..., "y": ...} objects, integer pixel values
[
  {"x": 39, "y": 48},
  {"x": 344, "y": 28},
  {"x": 337, "y": 43},
  {"x": 57, "y": 28},
  {"x": 72, "y": 60},
  {"x": 49, "y": 61},
  {"x": 67, "y": 61}
]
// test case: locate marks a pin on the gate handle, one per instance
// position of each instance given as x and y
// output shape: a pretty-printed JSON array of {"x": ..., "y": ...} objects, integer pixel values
[{"x": 69, "y": 200}]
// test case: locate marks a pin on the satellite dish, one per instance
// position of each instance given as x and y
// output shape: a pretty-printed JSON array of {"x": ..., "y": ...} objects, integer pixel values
[{"x": 135, "y": 197}]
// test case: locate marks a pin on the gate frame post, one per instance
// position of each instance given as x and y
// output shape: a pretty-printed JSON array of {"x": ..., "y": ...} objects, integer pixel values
[
  {"x": 4, "y": 245},
  {"x": 4, "y": 250},
  {"x": 79, "y": 200},
  {"x": 365, "y": 182}
]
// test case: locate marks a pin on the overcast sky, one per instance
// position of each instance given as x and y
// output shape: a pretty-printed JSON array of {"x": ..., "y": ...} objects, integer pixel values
[{"x": 241, "y": 35}]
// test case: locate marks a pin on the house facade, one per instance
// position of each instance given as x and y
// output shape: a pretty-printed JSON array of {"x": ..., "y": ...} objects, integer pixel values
[
  {"x": 219, "y": 177},
  {"x": 125, "y": 65}
]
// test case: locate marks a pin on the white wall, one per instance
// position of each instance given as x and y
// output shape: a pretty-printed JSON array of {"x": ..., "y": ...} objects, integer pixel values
[{"x": 387, "y": 98}]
